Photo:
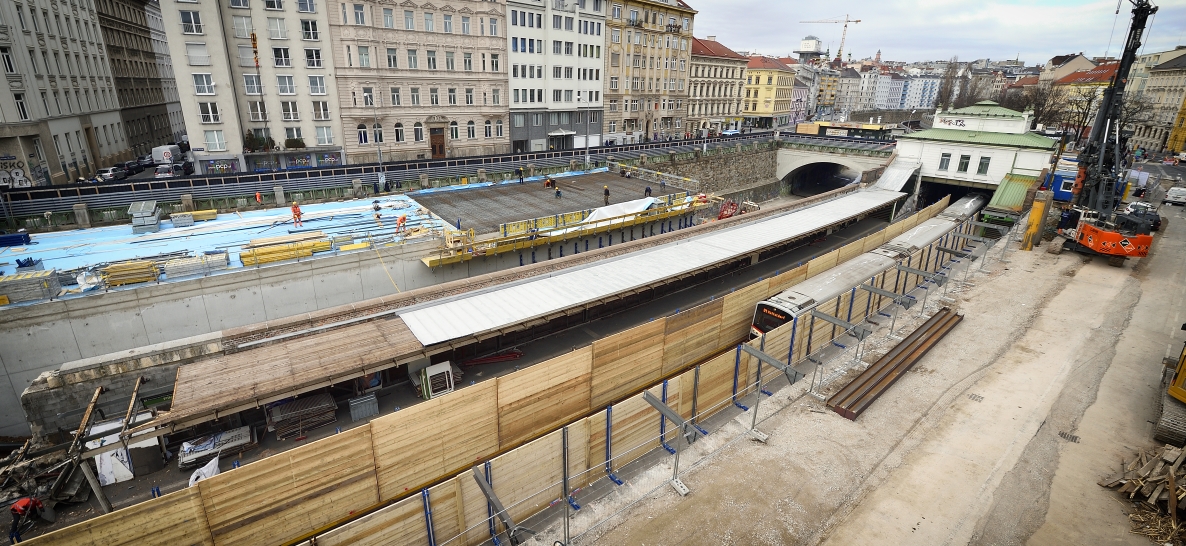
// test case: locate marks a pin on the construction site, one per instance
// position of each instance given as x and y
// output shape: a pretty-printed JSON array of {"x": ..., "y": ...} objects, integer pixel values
[{"x": 644, "y": 350}]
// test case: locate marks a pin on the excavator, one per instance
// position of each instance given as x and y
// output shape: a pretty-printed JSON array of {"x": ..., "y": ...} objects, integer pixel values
[
  {"x": 1093, "y": 225},
  {"x": 1171, "y": 420}
]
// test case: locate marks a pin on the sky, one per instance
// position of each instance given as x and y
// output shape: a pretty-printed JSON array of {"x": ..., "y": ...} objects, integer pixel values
[{"x": 920, "y": 30}]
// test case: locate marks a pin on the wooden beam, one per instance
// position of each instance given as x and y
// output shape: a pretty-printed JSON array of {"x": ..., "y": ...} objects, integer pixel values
[{"x": 86, "y": 419}]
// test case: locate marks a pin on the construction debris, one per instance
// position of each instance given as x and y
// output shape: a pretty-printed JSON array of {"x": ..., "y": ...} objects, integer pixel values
[{"x": 1156, "y": 481}]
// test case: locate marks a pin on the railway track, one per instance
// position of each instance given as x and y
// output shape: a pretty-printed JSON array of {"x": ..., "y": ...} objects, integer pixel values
[{"x": 858, "y": 395}]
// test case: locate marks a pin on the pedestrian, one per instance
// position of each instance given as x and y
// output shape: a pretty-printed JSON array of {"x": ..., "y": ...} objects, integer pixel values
[
  {"x": 375, "y": 186},
  {"x": 606, "y": 188},
  {"x": 296, "y": 214},
  {"x": 647, "y": 192},
  {"x": 519, "y": 173},
  {"x": 22, "y": 509},
  {"x": 662, "y": 186}
]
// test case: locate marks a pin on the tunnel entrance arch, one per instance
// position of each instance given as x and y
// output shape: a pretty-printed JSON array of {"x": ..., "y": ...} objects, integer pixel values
[{"x": 819, "y": 177}]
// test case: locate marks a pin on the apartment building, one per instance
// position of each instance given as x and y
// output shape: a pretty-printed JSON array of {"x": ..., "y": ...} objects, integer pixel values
[
  {"x": 848, "y": 93},
  {"x": 1162, "y": 87},
  {"x": 256, "y": 83},
  {"x": 649, "y": 55},
  {"x": 769, "y": 93},
  {"x": 920, "y": 92},
  {"x": 421, "y": 81},
  {"x": 59, "y": 111},
  {"x": 557, "y": 72},
  {"x": 136, "y": 45},
  {"x": 716, "y": 85}
]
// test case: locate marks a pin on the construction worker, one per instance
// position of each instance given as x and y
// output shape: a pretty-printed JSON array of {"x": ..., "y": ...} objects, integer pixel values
[
  {"x": 647, "y": 192},
  {"x": 400, "y": 224},
  {"x": 606, "y": 188},
  {"x": 22, "y": 509},
  {"x": 378, "y": 208},
  {"x": 296, "y": 214},
  {"x": 519, "y": 173},
  {"x": 259, "y": 199},
  {"x": 557, "y": 186}
]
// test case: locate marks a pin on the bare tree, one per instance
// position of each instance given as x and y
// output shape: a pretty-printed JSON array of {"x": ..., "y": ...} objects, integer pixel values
[
  {"x": 948, "y": 85},
  {"x": 1081, "y": 103},
  {"x": 1049, "y": 104},
  {"x": 1136, "y": 109},
  {"x": 972, "y": 90}
]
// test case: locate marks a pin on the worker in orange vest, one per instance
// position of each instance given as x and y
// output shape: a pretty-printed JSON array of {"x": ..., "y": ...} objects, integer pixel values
[
  {"x": 399, "y": 224},
  {"x": 259, "y": 199},
  {"x": 296, "y": 214},
  {"x": 21, "y": 509}
]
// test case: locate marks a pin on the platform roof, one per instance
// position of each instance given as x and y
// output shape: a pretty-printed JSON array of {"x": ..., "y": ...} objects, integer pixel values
[{"x": 481, "y": 312}]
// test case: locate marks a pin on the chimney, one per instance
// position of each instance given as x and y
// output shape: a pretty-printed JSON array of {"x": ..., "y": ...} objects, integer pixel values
[{"x": 712, "y": 38}]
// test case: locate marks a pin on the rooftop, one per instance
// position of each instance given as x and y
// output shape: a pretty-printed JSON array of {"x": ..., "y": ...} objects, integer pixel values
[
  {"x": 761, "y": 62},
  {"x": 1099, "y": 75},
  {"x": 713, "y": 48},
  {"x": 1176, "y": 63},
  {"x": 1010, "y": 140},
  {"x": 986, "y": 108}
]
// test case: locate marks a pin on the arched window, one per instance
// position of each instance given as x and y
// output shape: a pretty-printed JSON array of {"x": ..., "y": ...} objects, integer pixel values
[
  {"x": 362, "y": 134},
  {"x": 453, "y": 134},
  {"x": 418, "y": 132},
  {"x": 498, "y": 128},
  {"x": 489, "y": 127},
  {"x": 378, "y": 132},
  {"x": 399, "y": 132},
  {"x": 471, "y": 130}
]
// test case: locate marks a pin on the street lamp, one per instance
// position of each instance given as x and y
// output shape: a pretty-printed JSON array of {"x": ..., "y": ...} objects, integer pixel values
[{"x": 374, "y": 134}]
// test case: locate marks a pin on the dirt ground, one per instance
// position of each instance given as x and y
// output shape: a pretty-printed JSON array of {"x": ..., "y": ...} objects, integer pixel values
[
  {"x": 996, "y": 437},
  {"x": 483, "y": 209}
]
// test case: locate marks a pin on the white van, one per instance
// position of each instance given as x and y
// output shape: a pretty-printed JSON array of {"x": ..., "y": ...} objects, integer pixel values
[{"x": 1176, "y": 196}]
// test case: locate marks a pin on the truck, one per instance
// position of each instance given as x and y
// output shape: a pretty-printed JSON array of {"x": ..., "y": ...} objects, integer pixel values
[{"x": 167, "y": 154}]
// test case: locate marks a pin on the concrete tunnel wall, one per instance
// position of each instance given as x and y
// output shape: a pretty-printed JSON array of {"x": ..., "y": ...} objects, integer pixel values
[{"x": 42, "y": 337}]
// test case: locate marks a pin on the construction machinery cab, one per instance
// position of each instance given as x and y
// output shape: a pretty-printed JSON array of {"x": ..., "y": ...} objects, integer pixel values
[{"x": 1171, "y": 423}]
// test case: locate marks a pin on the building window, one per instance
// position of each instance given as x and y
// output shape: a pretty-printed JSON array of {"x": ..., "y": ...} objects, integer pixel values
[
  {"x": 378, "y": 130},
  {"x": 452, "y": 96},
  {"x": 418, "y": 132},
  {"x": 215, "y": 142},
  {"x": 325, "y": 136},
  {"x": 293, "y": 133},
  {"x": 428, "y": 22},
  {"x": 412, "y": 62},
  {"x": 306, "y": 6},
  {"x": 364, "y": 56},
  {"x": 21, "y": 109},
  {"x": 309, "y": 30},
  {"x": 280, "y": 56},
  {"x": 257, "y": 110},
  {"x": 613, "y": 126},
  {"x": 498, "y": 128},
  {"x": 494, "y": 62},
  {"x": 409, "y": 20},
  {"x": 285, "y": 86},
  {"x": 944, "y": 161},
  {"x": 453, "y": 130},
  {"x": 963, "y": 166},
  {"x": 431, "y": 59},
  {"x": 469, "y": 96},
  {"x": 448, "y": 23},
  {"x": 496, "y": 94},
  {"x": 191, "y": 22},
  {"x": 434, "y": 97},
  {"x": 209, "y": 112},
  {"x": 392, "y": 57},
  {"x": 395, "y": 98},
  {"x": 983, "y": 167},
  {"x": 388, "y": 18},
  {"x": 368, "y": 96},
  {"x": 487, "y": 131},
  {"x": 9, "y": 66},
  {"x": 494, "y": 27},
  {"x": 399, "y": 132},
  {"x": 360, "y": 14},
  {"x": 313, "y": 58},
  {"x": 276, "y": 30},
  {"x": 465, "y": 25},
  {"x": 363, "y": 135},
  {"x": 242, "y": 25},
  {"x": 203, "y": 84},
  {"x": 467, "y": 61},
  {"x": 273, "y": 4},
  {"x": 316, "y": 85},
  {"x": 415, "y": 93},
  {"x": 288, "y": 111},
  {"x": 320, "y": 110}
]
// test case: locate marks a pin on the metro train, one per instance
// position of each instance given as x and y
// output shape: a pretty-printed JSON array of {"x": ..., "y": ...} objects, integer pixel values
[{"x": 801, "y": 298}]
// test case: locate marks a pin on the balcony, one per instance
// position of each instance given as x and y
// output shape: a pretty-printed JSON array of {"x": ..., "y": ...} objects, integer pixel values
[
  {"x": 191, "y": 28},
  {"x": 199, "y": 60},
  {"x": 675, "y": 29},
  {"x": 634, "y": 23}
]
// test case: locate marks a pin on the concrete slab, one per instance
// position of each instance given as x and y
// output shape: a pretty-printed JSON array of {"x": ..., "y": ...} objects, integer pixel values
[{"x": 484, "y": 208}]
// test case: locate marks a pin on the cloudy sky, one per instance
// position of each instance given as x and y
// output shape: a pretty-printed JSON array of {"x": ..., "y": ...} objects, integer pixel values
[{"x": 915, "y": 30}]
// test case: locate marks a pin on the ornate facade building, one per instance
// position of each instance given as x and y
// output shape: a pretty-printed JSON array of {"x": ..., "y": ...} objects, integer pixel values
[
  {"x": 420, "y": 80},
  {"x": 716, "y": 86}
]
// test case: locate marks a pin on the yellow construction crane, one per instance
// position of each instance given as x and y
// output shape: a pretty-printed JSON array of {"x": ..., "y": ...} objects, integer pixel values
[{"x": 843, "y": 35}]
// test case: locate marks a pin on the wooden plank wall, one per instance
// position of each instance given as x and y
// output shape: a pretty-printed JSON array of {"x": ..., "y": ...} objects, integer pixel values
[{"x": 303, "y": 489}]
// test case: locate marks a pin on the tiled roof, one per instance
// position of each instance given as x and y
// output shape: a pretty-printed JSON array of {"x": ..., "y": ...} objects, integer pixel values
[
  {"x": 1101, "y": 74},
  {"x": 1009, "y": 140},
  {"x": 1172, "y": 64},
  {"x": 1025, "y": 82},
  {"x": 787, "y": 61},
  {"x": 712, "y": 48},
  {"x": 760, "y": 62}
]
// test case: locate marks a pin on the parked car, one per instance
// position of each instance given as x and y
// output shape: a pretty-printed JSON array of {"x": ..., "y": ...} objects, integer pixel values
[
  {"x": 730, "y": 132},
  {"x": 1146, "y": 210},
  {"x": 112, "y": 173},
  {"x": 146, "y": 161},
  {"x": 165, "y": 171},
  {"x": 1175, "y": 196},
  {"x": 187, "y": 168},
  {"x": 133, "y": 167}
]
